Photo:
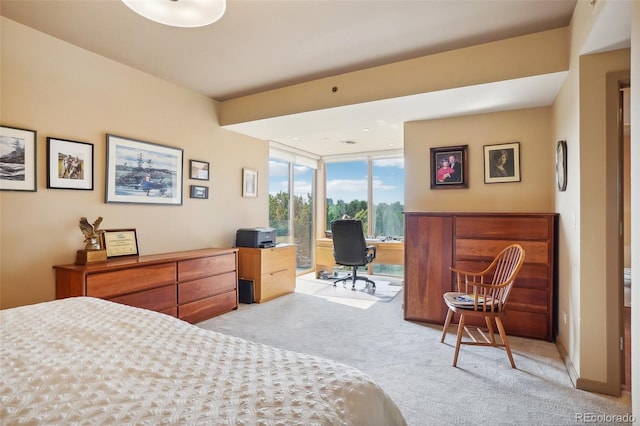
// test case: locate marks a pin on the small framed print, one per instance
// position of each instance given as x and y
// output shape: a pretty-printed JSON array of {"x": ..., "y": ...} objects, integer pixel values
[
  {"x": 199, "y": 170},
  {"x": 69, "y": 164},
  {"x": 561, "y": 165},
  {"x": 449, "y": 167},
  {"x": 502, "y": 163},
  {"x": 198, "y": 191},
  {"x": 249, "y": 183},
  {"x": 17, "y": 159},
  {"x": 120, "y": 242}
]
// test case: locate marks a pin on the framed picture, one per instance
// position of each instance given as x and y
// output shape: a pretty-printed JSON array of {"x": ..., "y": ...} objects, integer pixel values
[
  {"x": 143, "y": 172},
  {"x": 120, "y": 242},
  {"x": 199, "y": 170},
  {"x": 449, "y": 167},
  {"x": 249, "y": 183},
  {"x": 17, "y": 159},
  {"x": 561, "y": 165},
  {"x": 198, "y": 191},
  {"x": 69, "y": 164},
  {"x": 502, "y": 163}
]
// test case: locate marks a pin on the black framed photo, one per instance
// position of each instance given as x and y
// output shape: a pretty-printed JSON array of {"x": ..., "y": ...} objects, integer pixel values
[
  {"x": 143, "y": 172},
  {"x": 199, "y": 170},
  {"x": 198, "y": 191},
  {"x": 561, "y": 165},
  {"x": 69, "y": 164},
  {"x": 449, "y": 167},
  {"x": 502, "y": 163},
  {"x": 18, "y": 159},
  {"x": 120, "y": 242}
]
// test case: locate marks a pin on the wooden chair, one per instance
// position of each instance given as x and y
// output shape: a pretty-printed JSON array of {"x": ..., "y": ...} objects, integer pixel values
[{"x": 484, "y": 295}]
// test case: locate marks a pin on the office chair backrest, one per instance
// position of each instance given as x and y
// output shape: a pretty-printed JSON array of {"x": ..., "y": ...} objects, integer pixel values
[{"x": 349, "y": 244}]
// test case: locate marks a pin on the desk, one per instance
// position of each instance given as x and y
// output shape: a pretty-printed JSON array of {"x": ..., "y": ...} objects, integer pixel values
[{"x": 387, "y": 252}]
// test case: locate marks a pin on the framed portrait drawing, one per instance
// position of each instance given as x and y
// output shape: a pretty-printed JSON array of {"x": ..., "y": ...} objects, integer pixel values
[
  {"x": 199, "y": 170},
  {"x": 449, "y": 167},
  {"x": 143, "y": 172},
  {"x": 198, "y": 191},
  {"x": 17, "y": 159},
  {"x": 502, "y": 163},
  {"x": 249, "y": 183},
  {"x": 69, "y": 164}
]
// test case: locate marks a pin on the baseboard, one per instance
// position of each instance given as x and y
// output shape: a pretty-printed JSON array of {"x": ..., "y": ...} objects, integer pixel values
[{"x": 604, "y": 388}]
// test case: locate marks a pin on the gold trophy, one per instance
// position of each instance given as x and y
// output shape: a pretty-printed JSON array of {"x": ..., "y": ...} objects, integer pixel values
[{"x": 93, "y": 249}]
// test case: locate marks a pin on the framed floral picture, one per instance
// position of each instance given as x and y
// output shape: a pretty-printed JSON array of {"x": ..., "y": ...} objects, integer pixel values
[
  {"x": 17, "y": 159},
  {"x": 502, "y": 163},
  {"x": 69, "y": 164},
  {"x": 449, "y": 167},
  {"x": 143, "y": 172}
]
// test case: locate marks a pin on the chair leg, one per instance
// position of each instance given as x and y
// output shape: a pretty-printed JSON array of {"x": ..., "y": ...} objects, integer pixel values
[
  {"x": 503, "y": 335},
  {"x": 447, "y": 321},
  {"x": 459, "y": 339},
  {"x": 490, "y": 328}
]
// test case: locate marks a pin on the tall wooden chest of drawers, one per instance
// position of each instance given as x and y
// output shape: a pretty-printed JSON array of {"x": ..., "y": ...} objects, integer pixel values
[
  {"x": 272, "y": 270},
  {"x": 192, "y": 285},
  {"x": 436, "y": 241}
]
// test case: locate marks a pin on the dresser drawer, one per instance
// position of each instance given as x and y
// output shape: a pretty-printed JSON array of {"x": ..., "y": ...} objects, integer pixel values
[
  {"x": 157, "y": 299},
  {"x": 206, "y": 308},
  {"x": 535, "y": 251},
  {"x": 110, "y": 284},
  {"x": 206, "y": 287},
  {"x": 513, "y": 228},
  {"x": 202, "y": 267},
  {"x": 277, "y": 259},
  {"x": 275, "y": 284}
]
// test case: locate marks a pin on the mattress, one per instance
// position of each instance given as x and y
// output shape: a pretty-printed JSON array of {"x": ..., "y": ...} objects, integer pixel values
[{"x": 89, "y": 361}]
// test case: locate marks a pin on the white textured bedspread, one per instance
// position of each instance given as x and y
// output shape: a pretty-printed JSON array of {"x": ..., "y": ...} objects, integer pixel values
[{"x": 89, "y": 361}]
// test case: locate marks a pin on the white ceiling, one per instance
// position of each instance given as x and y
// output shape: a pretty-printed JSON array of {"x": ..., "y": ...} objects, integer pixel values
[{"x": 265, "y": 44}]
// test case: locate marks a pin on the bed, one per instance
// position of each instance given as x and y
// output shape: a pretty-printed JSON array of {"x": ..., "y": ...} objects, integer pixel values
[{"x": 89, "y": 361}]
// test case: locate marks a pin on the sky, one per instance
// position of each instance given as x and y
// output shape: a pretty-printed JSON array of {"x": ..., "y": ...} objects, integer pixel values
[{"x": 346, "y": 181}]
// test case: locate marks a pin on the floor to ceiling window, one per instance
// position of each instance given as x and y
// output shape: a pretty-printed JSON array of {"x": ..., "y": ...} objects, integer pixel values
[
  {"x": 371, "y": 190},
  {"x": 291, "y": 203}
]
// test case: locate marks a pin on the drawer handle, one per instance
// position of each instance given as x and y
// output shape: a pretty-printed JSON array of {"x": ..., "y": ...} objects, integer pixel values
[{"x": 277, "y": 272}]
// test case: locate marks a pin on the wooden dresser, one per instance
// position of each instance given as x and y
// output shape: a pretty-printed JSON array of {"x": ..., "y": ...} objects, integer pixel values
[
  {"x": 272, "y": 270},
  {"x": 436, "y": 241},
  {"x": 192, "y": 285}
]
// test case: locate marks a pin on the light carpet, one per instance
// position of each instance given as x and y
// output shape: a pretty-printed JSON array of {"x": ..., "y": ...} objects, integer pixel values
[
  {"x": 385, "y": 289},
  {"x": 407, "y": 359}
]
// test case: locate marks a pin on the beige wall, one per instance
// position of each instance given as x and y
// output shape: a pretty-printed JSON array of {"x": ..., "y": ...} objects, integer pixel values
[
  {"x": 62, "y": 91},
  {"x": 530, "y": 127}
]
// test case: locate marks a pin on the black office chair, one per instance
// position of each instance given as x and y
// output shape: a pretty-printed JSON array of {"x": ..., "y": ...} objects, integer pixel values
[{"x": 350, "y": 249}]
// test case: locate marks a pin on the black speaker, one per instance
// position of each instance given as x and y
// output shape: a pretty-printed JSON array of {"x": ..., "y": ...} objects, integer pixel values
[{"x": 245, "y": 291}]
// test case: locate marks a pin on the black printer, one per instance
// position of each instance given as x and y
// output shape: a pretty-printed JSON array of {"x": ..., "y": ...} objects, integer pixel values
[{"x": 256, "y": 237}]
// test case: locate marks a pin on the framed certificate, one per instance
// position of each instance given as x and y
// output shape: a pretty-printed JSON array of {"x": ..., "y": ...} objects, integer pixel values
[{"x": 121, "y": 242}]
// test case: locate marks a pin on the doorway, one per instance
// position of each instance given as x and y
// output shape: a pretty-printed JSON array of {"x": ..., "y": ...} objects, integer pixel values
[{"x": 625, "y": 132}]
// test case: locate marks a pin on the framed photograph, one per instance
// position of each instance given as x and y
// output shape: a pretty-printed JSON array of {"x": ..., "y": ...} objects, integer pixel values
[
  {"x": 249, "y": 183},
  {"x": 199, "y": 170},
  {"x": 120, "y": 242},
  {"x": 17, "y": 159},
  {"x": 69, "y": 164},
  {"x": 198, "y": 191},
  {"x": 561, "y": 165},
  {"x": 143, "y": 172},
  {"x": 449, "y": 167},
  {"x": 502, "y": 163}
]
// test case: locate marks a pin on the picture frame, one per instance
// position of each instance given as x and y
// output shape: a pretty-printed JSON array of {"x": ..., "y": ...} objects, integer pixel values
[
  {"x": 561, "y": 165},
  {"x": 142, "y": 172},
  {"x": 198, "y": 191},
  {"x": 199, "y": 170},
  {"x": 69, "y": 164},
  {"x": 18, "y": 159},
  {"x": 120, "y": 242},
  {"x": 502, "y": 163},
  {"x": 249, "y": 183},
  {"x": 449, "y": 167}
]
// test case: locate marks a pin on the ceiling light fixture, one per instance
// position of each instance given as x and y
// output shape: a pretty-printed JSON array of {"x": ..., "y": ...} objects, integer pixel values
[{"x": 179, "y": 13}]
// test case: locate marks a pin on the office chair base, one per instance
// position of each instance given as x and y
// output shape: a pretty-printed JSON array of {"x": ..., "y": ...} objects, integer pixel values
[{"x": 353, "y": 280}]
